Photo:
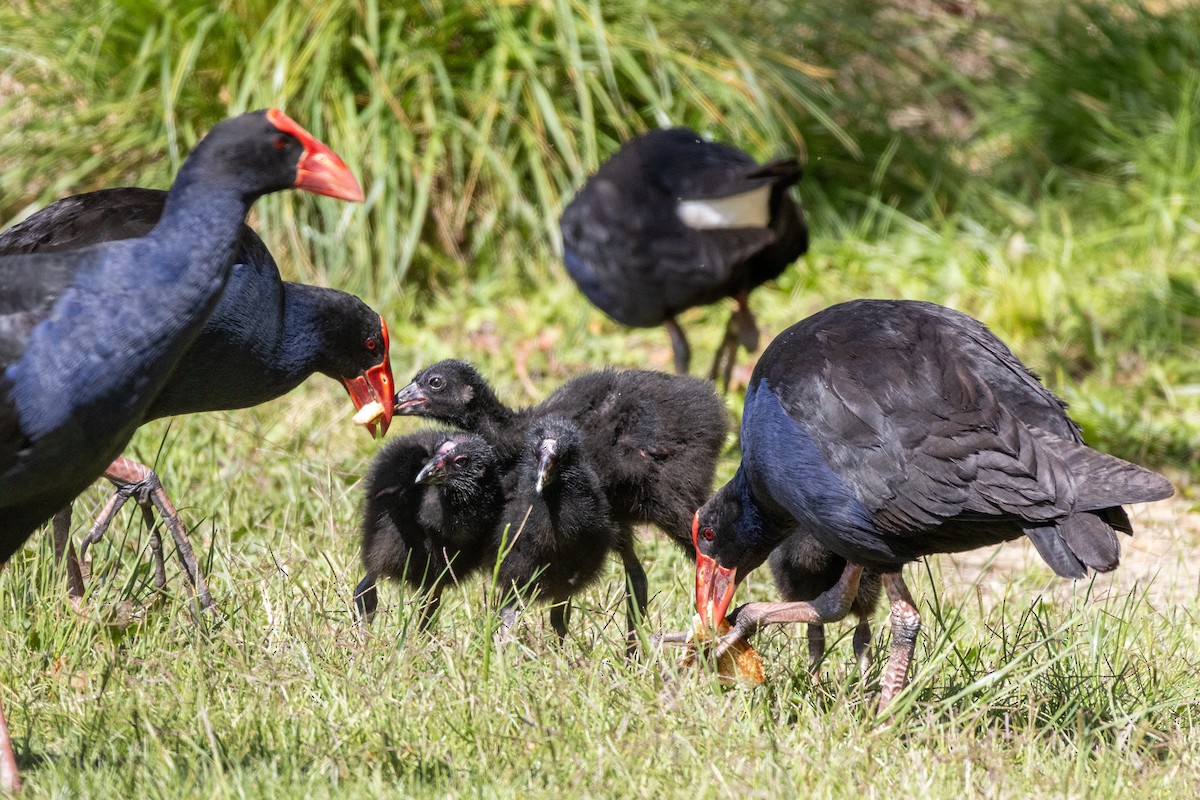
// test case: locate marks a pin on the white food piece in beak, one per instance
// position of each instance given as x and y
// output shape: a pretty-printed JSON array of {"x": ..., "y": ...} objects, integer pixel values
[{"x": 369, "y": 413}]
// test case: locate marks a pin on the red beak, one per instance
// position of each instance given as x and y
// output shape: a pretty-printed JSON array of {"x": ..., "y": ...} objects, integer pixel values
[
  {"x": 375, "y": 384},
  {"x": 715, "y": 584},
  {"x": 320, "y": 170}
]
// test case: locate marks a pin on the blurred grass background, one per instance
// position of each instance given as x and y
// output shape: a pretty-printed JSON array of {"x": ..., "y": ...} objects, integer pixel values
[{"x": 1034, "y": 164}]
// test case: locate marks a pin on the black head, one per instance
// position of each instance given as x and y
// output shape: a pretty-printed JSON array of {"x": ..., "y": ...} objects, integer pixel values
[
  {"x": 554, "y": 444},
  {"x": 730, "y": 540},
  {"x": 266, "y": 151},
  {"x": 460, "y": 461},
  {"x": 354, "y": 349},
  {"x": 450, "y": 391},
  {"x": 675, "y": 154}
]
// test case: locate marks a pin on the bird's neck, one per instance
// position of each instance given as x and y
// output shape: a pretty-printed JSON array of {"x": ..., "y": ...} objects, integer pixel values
[
  {"x": 758, "y": 529},
  {"x": 465, "y": 504},
  {"x": 302, "y": 347},
  {"x": 200, "y": 223},
  {"x": 487, "y": 416}
]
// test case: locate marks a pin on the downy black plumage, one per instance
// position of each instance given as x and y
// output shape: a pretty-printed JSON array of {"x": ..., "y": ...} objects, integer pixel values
[
  {"x": 557, "y": 529},
  {"x": 433, "y": 500},
  {"x": 653, "y": 440}
]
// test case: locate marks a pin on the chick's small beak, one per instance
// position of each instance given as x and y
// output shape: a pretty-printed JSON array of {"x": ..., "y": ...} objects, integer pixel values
[
  {"x": 715, "y": 584},
  {"x": 410, "y": 400},
  {"x": 433, "y": 472},
  {"x": 547, "y": 453},
  {"x": 320, "y": 170}
]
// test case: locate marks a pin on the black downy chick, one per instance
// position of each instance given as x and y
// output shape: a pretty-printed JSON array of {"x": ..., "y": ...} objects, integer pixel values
[
  {"x": 433, "y": 500},
  {"x": 653, "y": 440},
  {"x": 556, "y": 530}
]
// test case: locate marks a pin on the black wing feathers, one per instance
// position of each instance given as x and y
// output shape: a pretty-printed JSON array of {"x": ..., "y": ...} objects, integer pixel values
[{"x": 936, "y": 424}]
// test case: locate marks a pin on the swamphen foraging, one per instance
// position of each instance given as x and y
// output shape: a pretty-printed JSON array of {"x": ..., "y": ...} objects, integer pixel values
[
  {"x": 672, "y": 221},
  {"x": 653, "y": 439},
  {"x": 264, "y": 338},
  {"x": 557, "y": 528},
  {"x": 88, "y": 338},
  {"x": 891, "y": 430},
  {"x": 434, "y": 499}
]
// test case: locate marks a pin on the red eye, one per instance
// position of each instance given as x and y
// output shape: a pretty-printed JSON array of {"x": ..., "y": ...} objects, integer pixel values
[
  {"x": 707, "y": 533},
  {"x": 372, "y": 344},
  {"x": 279, "y": 142}
]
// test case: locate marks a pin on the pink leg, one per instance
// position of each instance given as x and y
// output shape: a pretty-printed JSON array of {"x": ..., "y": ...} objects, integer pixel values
[
  {"x": 831, "y": 606},
  {"x": 65, "y": 548},
  {"x": 137, "y": 480},
  {"x": 906, "y": 623},
  {"x": 747, "y": 332},
  {"x": 679, "y": 346},
  {"x": 862, "y": 646},
  {"x": 10, "y": 781},
  {"x": 816, "y": 647}
]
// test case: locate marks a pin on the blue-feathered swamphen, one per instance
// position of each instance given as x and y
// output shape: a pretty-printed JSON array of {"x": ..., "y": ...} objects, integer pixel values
[
  {"x": 891, "y": 430},
  {"x": 265, "y": 336},
  {"x": 433, "y": 500},
  {"x": 652, "y": 438},
  {"x": 88, "y": 338},
  {"x": 672, "y": 221}
]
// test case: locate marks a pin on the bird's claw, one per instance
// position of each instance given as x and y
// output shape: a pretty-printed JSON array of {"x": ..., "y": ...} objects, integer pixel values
[
  {"x": 679, "y": 638},
  {"x": 744, "y": 621}
]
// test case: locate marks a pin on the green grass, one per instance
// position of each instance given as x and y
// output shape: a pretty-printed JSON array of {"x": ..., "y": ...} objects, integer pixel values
[{"x": 1025, "y": 686}]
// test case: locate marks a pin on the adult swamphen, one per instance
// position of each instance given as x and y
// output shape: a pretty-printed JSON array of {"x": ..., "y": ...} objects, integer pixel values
[
  {"x": 88, "y": 338},
  {"x": 434, "y": 499},
  {"x": 890, "y": 430},
  {"x": 671, "y": 221},
  {"x": 264, "y": 338},
  {"x": 557, "y": 528},
  {"x": 653, "y": 439}
]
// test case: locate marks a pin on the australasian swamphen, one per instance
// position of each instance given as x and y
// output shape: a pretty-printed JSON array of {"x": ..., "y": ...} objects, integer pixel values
[
  {"x": 88, "y": 338},
  {"x": 891, "y": 430},
  {"x": 672, "y": 221},
  {"x": 557, "y": 528},
  {"x": 265, "y": 336},
  {"x": 433, "y": 500},
  {"x": 652, "y": 438}
]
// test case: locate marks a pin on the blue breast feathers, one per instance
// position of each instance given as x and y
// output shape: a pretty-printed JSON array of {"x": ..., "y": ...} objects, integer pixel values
[{"x": 787, "y": 472}]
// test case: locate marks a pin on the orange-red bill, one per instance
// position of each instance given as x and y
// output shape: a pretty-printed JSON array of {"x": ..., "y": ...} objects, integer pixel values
[
  {"x": 715, "y": 584},
  {"x": 375, "y": 384},
  {"x": 320, "y": 170}
]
